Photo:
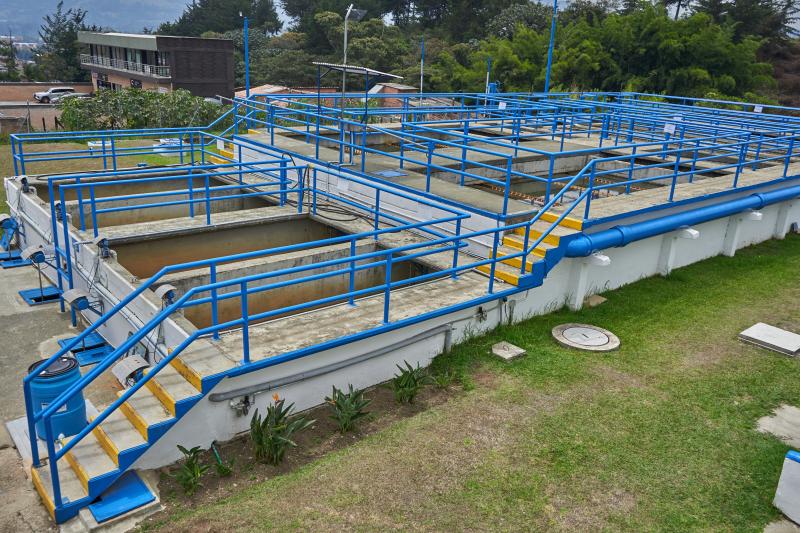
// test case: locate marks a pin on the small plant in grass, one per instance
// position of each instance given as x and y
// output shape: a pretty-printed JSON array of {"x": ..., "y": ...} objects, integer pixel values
[
  {"x": 408, "y": 382},
  {"x": 190, "y": 472},
  {"x": 347, "y": 407},
  {"x": 272, "y": 434},
  {"x": 443, "y": 379}
]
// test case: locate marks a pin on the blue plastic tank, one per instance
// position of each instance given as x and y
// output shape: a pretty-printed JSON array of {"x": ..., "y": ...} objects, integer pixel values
[{"x": 48, "y": 385}]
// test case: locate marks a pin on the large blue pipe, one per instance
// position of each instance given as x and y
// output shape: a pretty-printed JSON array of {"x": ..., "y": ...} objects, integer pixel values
[{"x": 625, "y": 234}]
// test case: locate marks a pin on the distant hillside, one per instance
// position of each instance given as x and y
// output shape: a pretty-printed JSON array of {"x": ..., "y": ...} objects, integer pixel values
[
  {"x": 24, "y": 17},
  {"x": 787, "y": 73}
]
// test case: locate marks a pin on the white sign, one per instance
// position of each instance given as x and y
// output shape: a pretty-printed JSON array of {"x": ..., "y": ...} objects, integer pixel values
[
  {"x": 342, "y": 184},
  {"x": 501, "y": 105},
  {"x": 758, "y": 109},
  {"x": 669, "y": 128}
]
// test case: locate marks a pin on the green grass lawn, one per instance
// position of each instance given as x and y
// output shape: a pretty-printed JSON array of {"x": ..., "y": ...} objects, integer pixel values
[{"x": 656, "y": 436}]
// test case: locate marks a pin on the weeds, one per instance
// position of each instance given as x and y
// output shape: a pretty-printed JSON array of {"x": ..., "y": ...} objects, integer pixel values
[
  {"x": 408, "y": 382},
  {"x": 347, "y": 407},
  {"x": 272, "y": 435},
  {"x": 190, "y": 472}
]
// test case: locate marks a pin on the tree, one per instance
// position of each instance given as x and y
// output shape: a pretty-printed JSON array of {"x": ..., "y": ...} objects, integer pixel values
[
  {"x": 533, "y": 15},
  {"x": 223, "y": 15},
  {"x": 58, "y": 54},
  {"x": 9, "y": 58}
]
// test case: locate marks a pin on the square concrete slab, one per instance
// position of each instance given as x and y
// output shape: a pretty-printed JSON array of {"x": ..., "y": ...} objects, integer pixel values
[
  {"x": 507, "y": 351},
  {"x": 772, "y": 338},
  {"x": 784, "y": 423}
]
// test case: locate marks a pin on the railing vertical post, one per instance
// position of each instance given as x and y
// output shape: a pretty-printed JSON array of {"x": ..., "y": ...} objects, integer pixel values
[
  {"x": 51, "y": 453},
  {"x": 113, "y": 154},
  {"x": 191, "y": 146},
  {"x": 352, "y": 286},
  {"x": 314, "y": 191},
  {"x": 29, "y": 411},
  {"x": 788, "y": 157},
  {"x": 493, "y": 268},
  {"x": 208, "y": 200},
  {"x": 507, "y": 192},
  {"x": 630, "y": 171},
  {"x": 103, "y": 142},
  {"x": 22, "y": 157},
  {"x": 428, "y": 169},
  {"x": 589, "y": 191},
  {"x": 94, "y": 210},
  {"x": 190, "y": 182},
  {"x": 549, "y": 185},
  {"x": 180, "y": 147},
  {"x": 388, "y": 290},
  {"x": 695, "y": 155},
  {"x": 14, "y": 155},
  {"x": 740, "y": 164},
  {"x": 675, "y": 172},
  {"x": 456, "y": 247},
  {"x": 377, "y": 211},
  {"x": 245, "y": 324},
  {"x": 235, "y": 117},
  {"x": 214, "y": 306},
  {"x": 283, "y": 182}
]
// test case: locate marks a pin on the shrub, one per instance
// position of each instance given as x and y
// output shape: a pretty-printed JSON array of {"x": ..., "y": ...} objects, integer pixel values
[
  {"x": 443, "y": 379},
  {"x": 190, "y": 472},
  {"x": 407, "y": 383},
  {"x": 347, "y": 407},
  {"x": 272, "y": 435}
]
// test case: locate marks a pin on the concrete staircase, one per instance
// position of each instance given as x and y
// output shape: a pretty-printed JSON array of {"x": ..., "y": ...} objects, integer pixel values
[
  {"x": 542, "y": 258},
  {"x": 103, "y": 455}
]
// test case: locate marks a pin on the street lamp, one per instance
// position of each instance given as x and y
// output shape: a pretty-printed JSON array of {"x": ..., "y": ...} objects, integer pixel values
[
  {"x": 550, "y": 48},
  {"x": 357, "y": 14}
]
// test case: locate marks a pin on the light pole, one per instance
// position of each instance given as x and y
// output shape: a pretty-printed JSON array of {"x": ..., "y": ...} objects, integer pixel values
[
  {"x": 358, "y": 14},
  {"x": 550, "y": 48},
  {"x": 246, "y": 59}
]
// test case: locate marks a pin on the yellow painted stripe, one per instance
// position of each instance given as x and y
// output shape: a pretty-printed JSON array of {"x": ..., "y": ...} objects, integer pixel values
[
  {"x": 227, "y": 153},
  {"x": 516, "y": 262},
  {"x": 535, "y": 234},
  {"x": 77, "y": 467},
  {"x": 217, "y": 160},
  {"x": 48, "y": 502},
  {"x": 568, "y": 222},
  {"x": 107, "y": 444},
  {"x": 135, "y": 418},
  {"x": 162, "y": 394},
  {"x": 513, "y": 242},
  {"x": 188, "y": 373},
  {"x": 508, "y": 277},
  {"x": 251, "y": 131}
]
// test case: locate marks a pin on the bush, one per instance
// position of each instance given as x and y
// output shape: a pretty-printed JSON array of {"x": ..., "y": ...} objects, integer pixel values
[
  {"x": 347, "y": 407},
  {"x": 190, "y": 472},
  {"x": 407, "y": 383},
  {"x": 272, "y": 435}
]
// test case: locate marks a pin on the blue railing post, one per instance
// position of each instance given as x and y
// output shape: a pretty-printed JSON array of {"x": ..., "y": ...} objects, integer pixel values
[
  {"x": 191, "y": 146},
  {"x": 352, "y": 300},
  {"x": 180, "y": 147},
  {"x": 493, "y": 268},
  {"x": 507, "y": 192},
  {"x": 630, "y": 171},
  {"x": 214, "y": 306},
  {"x": 283, "y": 182},
  {"x": 456, "y": 247},
  {"x": 22, "y": 157},
  {"x": 377, "y": 211},
  {"x": 549, "y": 185},
  {"x": 29, "y": 411},
  {"x": 428, "y": 167},
  {"x": 190, "y": 182},
  {"x": 245, "y": 324},
  {"x": 103, "y": 142},
  {"x": 589, "y": 191},
  {"x": 675, "y": 173},
  {"x": 788, "y": 157},
  {"x": 388, "y": 290},
  {"x": 93, "y": 207},
  {"x": 314, "y": 190},
  {"x": 695, "y": 155},
  {"x": 14, "y": 155},
  {"x": 53, "y": 460},
  {"x": 208, "y": 199},
  {"x": 113, "y": 154}
]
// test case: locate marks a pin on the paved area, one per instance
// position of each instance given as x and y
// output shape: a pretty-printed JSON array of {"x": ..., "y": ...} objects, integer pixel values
[
  {"x": 784, "y": 423},
  {"x": 27, "y": 333}
]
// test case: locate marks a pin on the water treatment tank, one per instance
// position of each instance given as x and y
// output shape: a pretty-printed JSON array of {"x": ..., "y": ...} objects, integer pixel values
[{"x": 48, "y": 385}]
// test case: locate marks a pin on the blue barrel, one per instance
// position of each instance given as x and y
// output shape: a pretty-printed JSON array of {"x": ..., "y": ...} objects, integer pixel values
[{"x": 48, "y": 385}]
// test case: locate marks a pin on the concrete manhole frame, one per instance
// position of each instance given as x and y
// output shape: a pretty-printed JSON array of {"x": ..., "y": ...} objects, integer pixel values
[{"x": 585, "y": 337}]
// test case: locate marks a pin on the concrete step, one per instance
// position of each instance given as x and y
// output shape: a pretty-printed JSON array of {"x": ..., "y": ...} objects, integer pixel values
[
  {"x": 517, "y": 242},
  {"x": 502, "y": 272},
  {"x": 200, "y": 360},
  {"x": 145, "y": 410},
  {"x": 71, "y": 488},
  {"x": 171, "y": 388},
  {"x": 516, "y": 262},
  {"x": 569, "y": 222},
  {"x": 89, "y": 459},
  {"x": 554, "y": 234},
  {"x": 116, "y": 434}
]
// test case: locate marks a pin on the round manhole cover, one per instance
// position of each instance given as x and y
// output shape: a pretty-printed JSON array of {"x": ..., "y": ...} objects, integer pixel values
[{"x": 585, "y": 337}]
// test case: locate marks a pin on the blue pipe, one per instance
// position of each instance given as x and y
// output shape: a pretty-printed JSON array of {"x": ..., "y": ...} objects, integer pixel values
[{"x": 624, "y": 234}]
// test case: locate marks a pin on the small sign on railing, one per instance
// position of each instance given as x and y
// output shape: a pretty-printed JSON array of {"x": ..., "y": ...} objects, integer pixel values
[{"x": 669, "y": 128}]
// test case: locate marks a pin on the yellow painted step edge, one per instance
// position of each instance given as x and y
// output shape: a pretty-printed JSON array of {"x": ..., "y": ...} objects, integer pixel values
[
  {"x": 568, "y": 222},
  {"x": 534, "y": 235},
  {"x": 190, "y": 375},
  {"x": 226, "y": 153},
  {"x": 513, "y": 243},
  {"x": 516, "y": 262},
  {"x": 48, "y": 502},
  {"x": 107, "y": 444},
  {"x": 217, "y": 160},
  {"x": 162, "y": 394},
  {"x": 251, "y": 131},
  {"x": 77, "y": 467},
  {"x": 508, "y": 277},
  {"x": 135, "y": 418}
]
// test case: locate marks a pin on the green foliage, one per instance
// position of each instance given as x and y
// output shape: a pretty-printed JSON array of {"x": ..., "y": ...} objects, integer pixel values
[
  {"x": 443, "y": 379},
  {"x": 8, "y": 56},
  {"x": 347, "y": 407},
  {"x": 190, "y": 472},
  {"x": 219, "y": 16},
  {"x": 137, "y": 108},
  {"x": 408, "y": 382},
  {"x": 534, "y": 16},
  {"x": 57, "y": 57},
  {"x": 272, "y": 435}
]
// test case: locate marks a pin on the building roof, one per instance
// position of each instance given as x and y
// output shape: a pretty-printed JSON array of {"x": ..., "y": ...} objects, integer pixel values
[{"x": 124, "y": 40}]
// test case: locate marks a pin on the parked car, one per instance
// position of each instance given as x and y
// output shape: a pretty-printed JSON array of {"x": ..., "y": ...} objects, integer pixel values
[
  {"x": 56, "y": 98},
  {"x": 45, "y": 97}
]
